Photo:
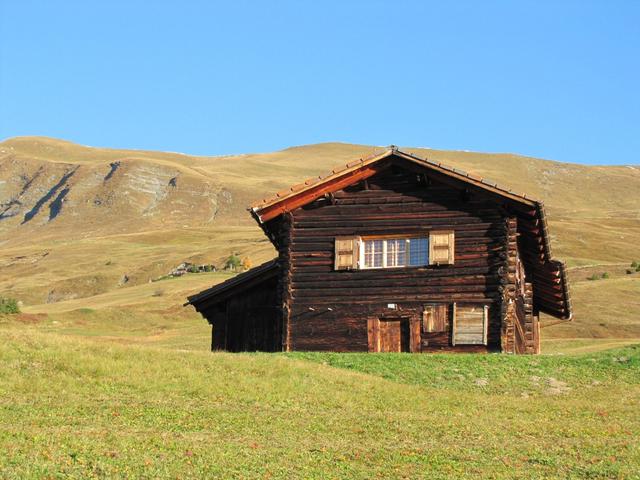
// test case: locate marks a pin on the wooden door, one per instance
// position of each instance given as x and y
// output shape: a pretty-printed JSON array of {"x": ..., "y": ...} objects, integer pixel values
[
  {"x": 394, "y": 335},
  {"x": 390, "y": 335}
]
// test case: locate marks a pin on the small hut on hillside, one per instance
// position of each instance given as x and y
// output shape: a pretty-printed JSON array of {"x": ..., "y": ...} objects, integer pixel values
[{"x": 393, "y": 253}]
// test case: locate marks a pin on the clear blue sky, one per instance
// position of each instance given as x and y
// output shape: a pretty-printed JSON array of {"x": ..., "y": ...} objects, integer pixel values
[{"x": 553, "y": 79}]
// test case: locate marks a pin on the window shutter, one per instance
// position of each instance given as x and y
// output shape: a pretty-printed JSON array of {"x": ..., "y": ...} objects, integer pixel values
[
  {"x": 346, "y": 253},
  {"x": 434, "y": 318},
  {"x": 441, "y": 248},
  {"x": 470, "y": 325}
]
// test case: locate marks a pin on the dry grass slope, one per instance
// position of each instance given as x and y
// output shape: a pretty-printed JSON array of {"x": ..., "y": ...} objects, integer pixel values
[{"x": 75, "y": 222}]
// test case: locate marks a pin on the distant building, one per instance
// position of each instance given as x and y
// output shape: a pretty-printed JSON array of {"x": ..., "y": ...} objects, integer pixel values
[{"x": 393, "y": 253}]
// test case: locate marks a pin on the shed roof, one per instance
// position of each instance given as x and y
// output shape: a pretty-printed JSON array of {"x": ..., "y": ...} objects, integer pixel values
[{"x": 234, "y": 285}]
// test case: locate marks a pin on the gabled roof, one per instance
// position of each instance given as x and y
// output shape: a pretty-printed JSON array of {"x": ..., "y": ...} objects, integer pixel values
[
  {"x": 313, "y": 188},
  {"x": 551, "y": 293}
]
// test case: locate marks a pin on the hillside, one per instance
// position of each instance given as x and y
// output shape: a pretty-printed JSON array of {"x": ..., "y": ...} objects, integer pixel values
[
  {"x": 92, "y": 409},
  {"x": 84, "y": 227}
]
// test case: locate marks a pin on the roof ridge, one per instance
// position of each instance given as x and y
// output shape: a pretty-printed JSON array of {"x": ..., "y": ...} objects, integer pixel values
[
  {"x": 379, "y": 155},
  {"x": 464, "y": 173}
]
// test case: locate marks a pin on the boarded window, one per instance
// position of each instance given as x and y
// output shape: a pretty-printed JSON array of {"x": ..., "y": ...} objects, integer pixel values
[
  {"x": 434, "y": 318},
  {"x": 470, "y": 325},
  {"x": 346, "y": 253},
  {"x": 441, "y": 247}
]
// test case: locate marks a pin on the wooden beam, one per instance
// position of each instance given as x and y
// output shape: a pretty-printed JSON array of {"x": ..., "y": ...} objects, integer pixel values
[{"x": 318, "y": 191}]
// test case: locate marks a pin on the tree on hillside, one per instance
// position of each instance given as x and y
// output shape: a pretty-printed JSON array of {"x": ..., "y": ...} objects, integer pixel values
[
  {"x": 246, "y": 263},
  {"x": 233, "y": 262}
]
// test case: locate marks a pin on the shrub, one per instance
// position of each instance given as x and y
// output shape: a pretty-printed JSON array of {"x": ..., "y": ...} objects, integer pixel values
[
  {"x": 594, "y": 277},
  {"x": 192, "y": 269},
  {"x": 9, "y": 305},
  {"x": 638, "y": 268},
  {"x": 629, "y": 271},
  {"x": 605, "y": 275},
  {"x": 634, "y": 264}
]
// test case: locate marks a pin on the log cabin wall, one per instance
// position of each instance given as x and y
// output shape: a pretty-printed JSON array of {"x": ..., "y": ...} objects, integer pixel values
[
  {"x": 248, "y": 321},
  {"x": 320, "y": 301},
  {"x": 328, "y": 309},
  {"x": 509, "y": 289},
  {"x": 526, "y": 339},
  {"x": 520, "y": 329}
]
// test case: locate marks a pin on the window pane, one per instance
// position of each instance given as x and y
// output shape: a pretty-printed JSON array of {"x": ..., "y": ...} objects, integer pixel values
[
  {"x": 396, "y": 253},
  {"x": 373, "y": 253},
  {"x": 418, "y": 251},
  {"x": 402, "y": 252},
  {"x": 368, "y": 253},
  {"x": 399, "y": 252},
  {"x": 377, "y": 253}
]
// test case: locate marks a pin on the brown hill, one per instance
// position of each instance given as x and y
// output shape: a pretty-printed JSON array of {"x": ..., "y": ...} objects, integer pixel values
[{"x": 76, "y": 222}]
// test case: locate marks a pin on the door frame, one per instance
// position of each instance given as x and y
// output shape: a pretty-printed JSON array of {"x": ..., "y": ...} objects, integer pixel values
[{"x": 415, "y": 331}]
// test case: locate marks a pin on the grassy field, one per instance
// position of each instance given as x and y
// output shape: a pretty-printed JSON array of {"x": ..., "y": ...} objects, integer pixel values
[{"x": 92, "y": 407}]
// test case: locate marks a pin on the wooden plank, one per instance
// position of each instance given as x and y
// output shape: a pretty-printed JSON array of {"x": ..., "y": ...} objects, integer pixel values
[
  {"x": 372, "y": 334},
  {"x": 345, "y": 253},
  {"x": 471, "y": 323},
  {"x": 316, "y": 191},
  {"x": 390, "y": 335},
  {"x": 435, "y": 318},
  {"x": 441, "y": 247},
  {"x": 485, "y": 332},
  {"x": 428, "y": 318},
  {"x": 415, "y": 334},
  {"x": 454, "y": 316}
]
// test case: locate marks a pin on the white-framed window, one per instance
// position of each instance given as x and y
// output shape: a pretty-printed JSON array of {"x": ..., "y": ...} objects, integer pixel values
[
  {"x": 394, "y": 252},
  {"x": 358, "y": 253}
]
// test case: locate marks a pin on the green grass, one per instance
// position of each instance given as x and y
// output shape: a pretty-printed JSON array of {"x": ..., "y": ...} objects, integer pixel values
[
  {"x": 89, "y": 407},
  {"x": 494, "y": 373}
]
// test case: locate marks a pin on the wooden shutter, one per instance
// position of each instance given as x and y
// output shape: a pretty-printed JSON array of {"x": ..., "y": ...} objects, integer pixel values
[
  {"x": 470, "y": 324},
  {"x": 434, "y": 318},
  {"x": 441, "y": 247},
  {"x": 346, "y": 253},
  {"x": 373, "y": 334}
]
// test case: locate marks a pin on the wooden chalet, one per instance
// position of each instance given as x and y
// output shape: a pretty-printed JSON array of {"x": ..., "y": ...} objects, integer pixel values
[{"x": 393, "y": 253}]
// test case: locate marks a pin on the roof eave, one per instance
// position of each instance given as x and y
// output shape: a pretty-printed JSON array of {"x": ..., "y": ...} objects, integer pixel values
[
  {"x": 461, "y": 175},
  {"x": 231, "y": 283}
]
